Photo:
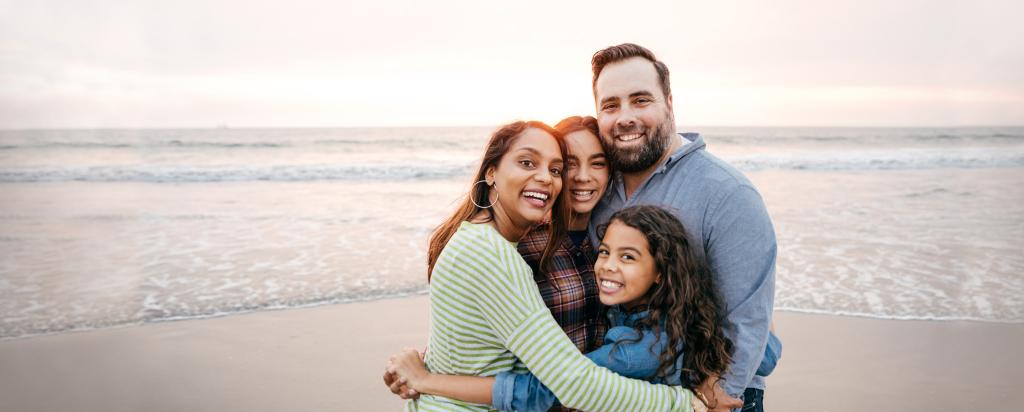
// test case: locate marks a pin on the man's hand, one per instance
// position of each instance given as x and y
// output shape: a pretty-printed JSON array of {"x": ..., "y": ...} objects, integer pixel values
[{"x": 712, "y": 394}]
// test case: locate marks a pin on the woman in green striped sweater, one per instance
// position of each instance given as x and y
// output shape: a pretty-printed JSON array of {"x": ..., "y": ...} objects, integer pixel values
[{"x": 487, "y": 315}]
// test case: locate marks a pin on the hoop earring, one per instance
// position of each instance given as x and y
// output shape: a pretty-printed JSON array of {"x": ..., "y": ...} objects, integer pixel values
[{"x": 471, "y": 199}]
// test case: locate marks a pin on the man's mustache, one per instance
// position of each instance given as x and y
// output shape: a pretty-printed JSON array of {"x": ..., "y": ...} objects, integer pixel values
[{"x": 627, "y": 130}]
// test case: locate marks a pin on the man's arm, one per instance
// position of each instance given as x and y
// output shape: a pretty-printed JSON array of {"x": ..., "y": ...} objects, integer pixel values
[{"x": 741, "y": 248}]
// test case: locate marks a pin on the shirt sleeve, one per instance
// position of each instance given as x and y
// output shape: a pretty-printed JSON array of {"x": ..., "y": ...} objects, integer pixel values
[
  {"x": 741, "y": 249},
  {"x": 621, "y": 353},
  {"x": 521, "y": 392},
  {"x": 510, "y": 302}
]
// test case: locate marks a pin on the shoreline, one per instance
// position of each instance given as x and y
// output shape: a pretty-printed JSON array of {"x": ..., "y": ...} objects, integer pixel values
[
  {"x": 425, "y": 292},
  {"x": 331, "y": 357},
  {"x": 270, "y": 308}
]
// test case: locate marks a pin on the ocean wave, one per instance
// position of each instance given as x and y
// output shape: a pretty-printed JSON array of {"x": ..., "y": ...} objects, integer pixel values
[
  {"x": 350, "y": 144},
  {"x": 866, "y": 314},
  {"x": 289, "y": 173},
  {"x": 400, "y": 143},
  {"x": 144, "y": 145},
  {"x": 855, "y": 136},
  {"x": 889, "y": 160},
  {"x": 810, "y": 161},
  {"x": 158, "y": 315},
  {"x": 473, "y": 138}
]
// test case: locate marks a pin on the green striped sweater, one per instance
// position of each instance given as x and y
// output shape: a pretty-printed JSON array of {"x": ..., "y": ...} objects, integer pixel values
[{"x": 487, "y": 316}]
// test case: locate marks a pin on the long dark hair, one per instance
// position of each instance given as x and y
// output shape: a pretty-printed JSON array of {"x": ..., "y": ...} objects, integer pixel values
[
  {"x": 500, "y": 142},
  {"x": 573, "y": 124},
  {"x": 685, "y": 299}
]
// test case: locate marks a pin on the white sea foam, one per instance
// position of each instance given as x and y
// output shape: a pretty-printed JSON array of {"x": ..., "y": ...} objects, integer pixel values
[{"x": 904, "y": 230}]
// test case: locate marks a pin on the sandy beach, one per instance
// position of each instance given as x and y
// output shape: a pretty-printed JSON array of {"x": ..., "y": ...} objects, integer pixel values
[{"x": 332, "y": 357}]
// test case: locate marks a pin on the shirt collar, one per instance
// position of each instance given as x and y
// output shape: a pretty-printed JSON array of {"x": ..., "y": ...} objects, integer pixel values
[
  {"x": 623, "y": 317},
  {"x": 692, "y": 142}
]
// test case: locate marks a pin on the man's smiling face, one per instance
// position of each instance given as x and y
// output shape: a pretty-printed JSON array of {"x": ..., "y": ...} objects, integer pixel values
[{"x": 633, "y": 114}]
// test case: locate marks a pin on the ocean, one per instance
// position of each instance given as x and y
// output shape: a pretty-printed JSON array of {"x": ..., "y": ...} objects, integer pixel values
[{"x": 102, "y": 228}]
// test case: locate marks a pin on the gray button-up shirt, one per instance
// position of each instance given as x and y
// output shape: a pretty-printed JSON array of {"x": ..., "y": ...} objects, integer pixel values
[{"x": 724, "y": 214}]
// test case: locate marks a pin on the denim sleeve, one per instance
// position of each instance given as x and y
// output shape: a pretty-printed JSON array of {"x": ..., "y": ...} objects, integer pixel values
[
  {"x": 524, "y": 392},
  {"x": 772, "y": 353},
  {"x": 628, "y": 358},
  {"x": 741, "y": 248},
  {"x": 520, "y": 392}
]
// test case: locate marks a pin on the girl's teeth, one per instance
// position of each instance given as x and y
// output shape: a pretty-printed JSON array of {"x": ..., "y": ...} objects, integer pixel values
[{"x": 610, "y": 284}]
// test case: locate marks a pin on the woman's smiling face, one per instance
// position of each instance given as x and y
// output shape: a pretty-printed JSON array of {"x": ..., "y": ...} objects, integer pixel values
[
  {"x": 587, "y": 171},
  {"x": 528, "y": 179}
]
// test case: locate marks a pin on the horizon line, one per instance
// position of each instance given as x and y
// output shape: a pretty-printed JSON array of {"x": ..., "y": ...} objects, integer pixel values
[{"x": 228, "y": 127}]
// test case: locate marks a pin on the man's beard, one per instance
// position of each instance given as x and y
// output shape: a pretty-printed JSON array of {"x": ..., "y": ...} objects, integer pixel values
[{"x": 642, "y": 156}]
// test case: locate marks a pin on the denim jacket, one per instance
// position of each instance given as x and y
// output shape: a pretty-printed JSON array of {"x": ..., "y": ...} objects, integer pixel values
[{"x": 639, "y": 360}]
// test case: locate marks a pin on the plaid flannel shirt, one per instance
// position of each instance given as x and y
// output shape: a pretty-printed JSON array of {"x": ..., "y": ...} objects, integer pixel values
[{"x": 569, "y": 289}]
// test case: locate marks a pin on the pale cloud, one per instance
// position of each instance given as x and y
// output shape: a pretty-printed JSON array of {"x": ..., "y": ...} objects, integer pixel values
[{"x": 328, "y": 63}]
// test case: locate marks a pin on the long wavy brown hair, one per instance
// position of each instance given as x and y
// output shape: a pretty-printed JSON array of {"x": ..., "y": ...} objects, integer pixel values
[
  {"x": 685, "y": 300},
  {"x": 497, "y": 147},
  {"x": 573, "y": 124}
]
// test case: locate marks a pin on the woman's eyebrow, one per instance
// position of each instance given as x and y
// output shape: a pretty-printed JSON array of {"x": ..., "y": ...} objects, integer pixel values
[
  {"x": 529, "y": 149},
  {"x": 535, "y": 152}
]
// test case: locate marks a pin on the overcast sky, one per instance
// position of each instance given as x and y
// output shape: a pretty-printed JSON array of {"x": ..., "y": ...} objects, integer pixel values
[{"x": 448, "y": 63}]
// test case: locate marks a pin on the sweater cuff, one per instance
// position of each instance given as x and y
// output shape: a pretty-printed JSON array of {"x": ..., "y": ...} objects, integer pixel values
[{"x": 503, "y": 391}]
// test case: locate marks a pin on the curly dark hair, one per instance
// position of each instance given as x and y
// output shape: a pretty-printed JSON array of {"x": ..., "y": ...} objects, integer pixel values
[{"x": 685, "y": 299}]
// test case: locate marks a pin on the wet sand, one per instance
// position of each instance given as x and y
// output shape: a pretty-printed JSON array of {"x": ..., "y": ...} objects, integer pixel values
[{"x": 332, "y": 357}]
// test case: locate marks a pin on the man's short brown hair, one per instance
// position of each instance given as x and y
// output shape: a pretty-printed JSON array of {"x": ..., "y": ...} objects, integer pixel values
[{"x": 625, "y": 51}]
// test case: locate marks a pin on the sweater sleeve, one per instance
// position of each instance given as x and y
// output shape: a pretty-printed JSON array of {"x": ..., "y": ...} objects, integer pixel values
[
  {"x": 624, "y": 352},
  {"x": 510, "y": 302}
]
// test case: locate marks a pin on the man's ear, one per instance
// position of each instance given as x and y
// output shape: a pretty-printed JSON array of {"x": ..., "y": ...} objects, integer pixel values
[{"x": 668, "y": 101}]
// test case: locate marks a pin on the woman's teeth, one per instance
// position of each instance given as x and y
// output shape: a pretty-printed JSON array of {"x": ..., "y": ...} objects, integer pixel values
[
  {"x": 536, "y": 195},
  {"x": 536, "y": 199},
  {"x": 611, "y": 285},
  {"x": 583, "y": 195}
]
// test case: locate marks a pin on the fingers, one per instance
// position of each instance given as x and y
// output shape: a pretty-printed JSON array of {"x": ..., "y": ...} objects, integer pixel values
[
  {"x": 731, "y": 402},
  {"x": 398, "y": 386},
  {"x": 394, "y": 380},
  {"x": 725, "y": 404},
  {"x": 410, "y": 394}
]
